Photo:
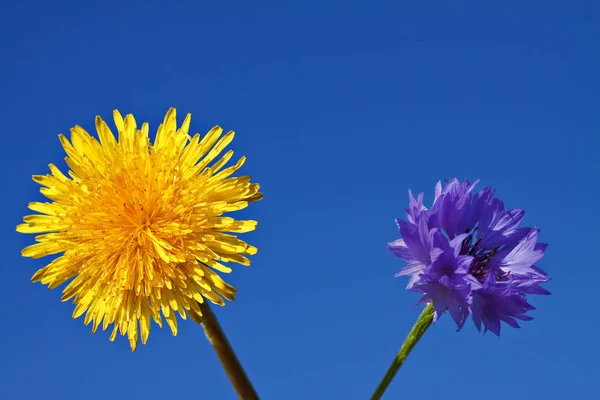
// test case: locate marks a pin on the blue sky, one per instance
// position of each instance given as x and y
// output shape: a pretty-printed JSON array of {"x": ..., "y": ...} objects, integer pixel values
[{"x": 340, "y": 107}]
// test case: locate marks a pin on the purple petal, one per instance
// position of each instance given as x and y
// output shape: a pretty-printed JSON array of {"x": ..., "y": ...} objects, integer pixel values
[
  {"x": 521, "y": 259},
  {"x": 400, "y": 250},
  {"x": 410, "y": 269}
]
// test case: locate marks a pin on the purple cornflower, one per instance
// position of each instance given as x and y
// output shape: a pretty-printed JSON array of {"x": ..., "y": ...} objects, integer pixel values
[{"x": 467, "y": 255}]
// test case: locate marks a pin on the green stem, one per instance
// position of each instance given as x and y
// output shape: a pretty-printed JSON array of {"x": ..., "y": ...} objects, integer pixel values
[
  {"x": 411, "y": 340},
  {"x": 233, "y": 368}
]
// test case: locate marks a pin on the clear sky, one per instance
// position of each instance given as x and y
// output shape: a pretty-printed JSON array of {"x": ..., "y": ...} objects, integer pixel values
[{"x": 340, "y": 107}]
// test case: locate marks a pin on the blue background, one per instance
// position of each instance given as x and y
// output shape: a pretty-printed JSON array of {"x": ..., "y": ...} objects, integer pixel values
[{"x": 340, "y": 108}]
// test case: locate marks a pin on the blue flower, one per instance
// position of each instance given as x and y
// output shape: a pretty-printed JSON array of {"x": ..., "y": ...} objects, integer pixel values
[{"x": 467, "y": 255}]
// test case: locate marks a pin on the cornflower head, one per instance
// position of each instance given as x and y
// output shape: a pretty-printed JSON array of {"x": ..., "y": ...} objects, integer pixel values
[{"x": 468, "y": 255}]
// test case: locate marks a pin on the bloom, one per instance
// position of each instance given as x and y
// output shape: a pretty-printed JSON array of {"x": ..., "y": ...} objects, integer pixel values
[
  {"x": 467, "y": 255},
  {"x": 141, "y": 226}
]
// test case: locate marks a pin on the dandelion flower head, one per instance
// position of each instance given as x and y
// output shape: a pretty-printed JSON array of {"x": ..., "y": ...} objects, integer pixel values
[{"x": 139, "y": 227}]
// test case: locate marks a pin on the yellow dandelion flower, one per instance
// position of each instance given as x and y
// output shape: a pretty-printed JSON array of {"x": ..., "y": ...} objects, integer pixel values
[{"x": 141, "y": 226}]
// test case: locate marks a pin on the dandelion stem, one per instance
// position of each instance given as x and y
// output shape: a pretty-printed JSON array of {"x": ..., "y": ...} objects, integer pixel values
[
  {"x": 239, "y": 380},
  {"x": 411, "y": 340}
]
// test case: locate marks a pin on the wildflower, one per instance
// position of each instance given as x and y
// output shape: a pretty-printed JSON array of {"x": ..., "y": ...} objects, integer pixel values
[
  {"x": 141, "y": 226},
  {"x": 468, "y": 255}
]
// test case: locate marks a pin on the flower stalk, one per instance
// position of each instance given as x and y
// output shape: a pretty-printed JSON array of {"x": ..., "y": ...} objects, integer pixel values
[
  {"x": 423, "y": 322},
  {"x": 231, "y": 364}
]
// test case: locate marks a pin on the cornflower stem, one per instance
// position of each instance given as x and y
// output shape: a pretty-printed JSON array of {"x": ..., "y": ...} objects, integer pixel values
[
  {"x": 233, "y": 368},
  {"x": 411, "y": 340}
]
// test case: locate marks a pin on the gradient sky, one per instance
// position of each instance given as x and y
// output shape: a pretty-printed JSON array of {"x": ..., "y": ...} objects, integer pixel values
[{"x": 340, "y": 107}]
